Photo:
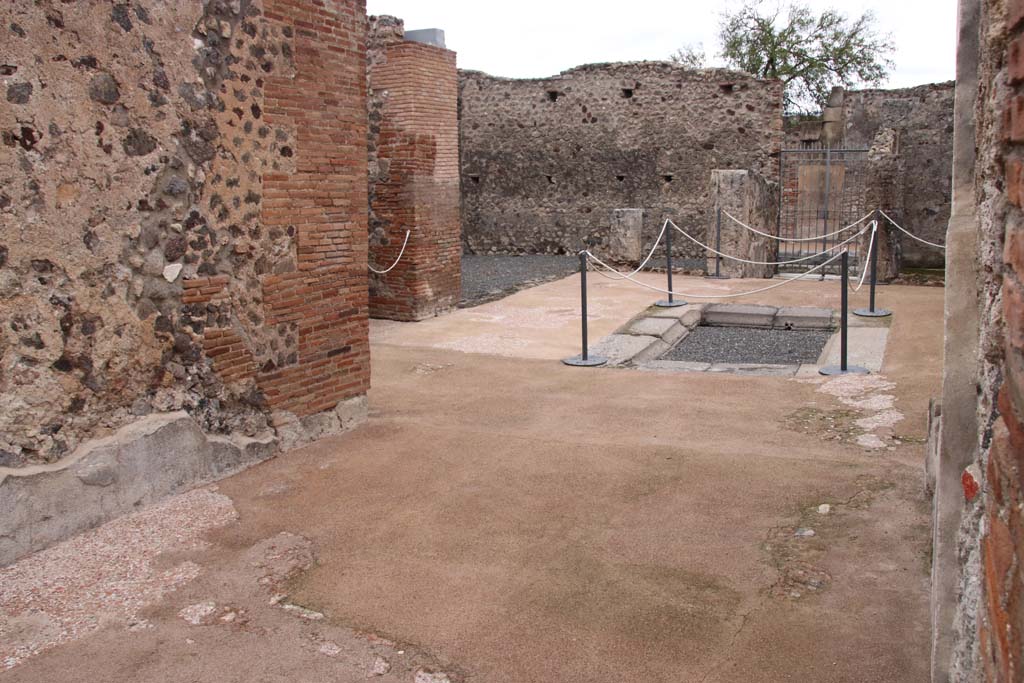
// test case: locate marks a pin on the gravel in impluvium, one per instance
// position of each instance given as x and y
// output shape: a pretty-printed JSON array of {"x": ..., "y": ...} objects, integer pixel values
[
  {"x": 750, "y": 345},
  {"x": 486, "y": 278}
]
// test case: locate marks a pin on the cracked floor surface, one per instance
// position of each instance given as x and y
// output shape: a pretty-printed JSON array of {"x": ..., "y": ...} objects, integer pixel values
[{"x": 511, "y": 519}]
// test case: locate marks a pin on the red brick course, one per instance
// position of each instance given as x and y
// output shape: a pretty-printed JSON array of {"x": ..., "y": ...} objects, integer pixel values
[{"x": 417, "y": 142}]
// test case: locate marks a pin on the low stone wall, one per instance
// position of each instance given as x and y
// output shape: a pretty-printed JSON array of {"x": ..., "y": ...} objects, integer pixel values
[{"x": 752, "y": 199}]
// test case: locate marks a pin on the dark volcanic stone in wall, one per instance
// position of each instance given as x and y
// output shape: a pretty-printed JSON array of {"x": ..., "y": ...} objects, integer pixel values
[
  {"x": 103, "y": 88},
  {"x": 152, "y": 186},
  {"x": 545, "y": 162}
]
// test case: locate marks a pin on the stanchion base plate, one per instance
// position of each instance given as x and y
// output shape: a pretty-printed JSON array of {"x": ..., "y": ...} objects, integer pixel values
[
  {"x": 670, "y": 304},
  {"x": 590, "y": 362},
  {"x": 868, "y": 313},
  {"x": 832, "y": 370},
  {"x": 717, "y": 277}
]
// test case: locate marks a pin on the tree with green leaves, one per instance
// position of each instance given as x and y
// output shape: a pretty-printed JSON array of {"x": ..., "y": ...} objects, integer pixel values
[
  {"x": 690, "y": 56},
  {"x": 810, "y": 53}
]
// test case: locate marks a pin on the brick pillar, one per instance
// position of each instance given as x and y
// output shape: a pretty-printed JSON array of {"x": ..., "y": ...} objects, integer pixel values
[
  {"x": 753, "y": 200},
  {"x": 414, "y": 176},
  {"x": 315, "y": 297}
]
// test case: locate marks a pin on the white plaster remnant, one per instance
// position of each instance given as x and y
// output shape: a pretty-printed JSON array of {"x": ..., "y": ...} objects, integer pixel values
[
  {"x": 199, "y": 613},
  {"x": 172, "y": 271},
  {"x": 868, "y": 395}
]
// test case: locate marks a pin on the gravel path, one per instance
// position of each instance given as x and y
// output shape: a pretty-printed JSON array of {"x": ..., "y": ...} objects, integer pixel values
[
  {"x": 486, "y": 278},
  {"x": 750, "y": 345}
]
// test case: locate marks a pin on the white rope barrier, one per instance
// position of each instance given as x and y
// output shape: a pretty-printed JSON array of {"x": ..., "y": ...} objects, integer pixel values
[
  {"x": 767, "y": 263},
  {"x": 400, "y": 254},
  {"x": 712, "y": 296},
  {"x": 910, "y": 234},
  {"x": 817, "y": 238},
  {"x": 649, "y": 256},
  {"x": 865, "y": 262}
]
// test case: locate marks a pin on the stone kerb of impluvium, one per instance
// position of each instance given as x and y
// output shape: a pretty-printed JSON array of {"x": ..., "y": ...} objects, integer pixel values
[
  {"x": 752, "y": 200},
  {"x": 646, "y": 338}
]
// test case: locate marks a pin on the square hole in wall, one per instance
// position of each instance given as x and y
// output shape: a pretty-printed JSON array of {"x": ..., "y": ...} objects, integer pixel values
[
  {"x": 553, "y": 95},
  {"x": 627, "y": 93}
]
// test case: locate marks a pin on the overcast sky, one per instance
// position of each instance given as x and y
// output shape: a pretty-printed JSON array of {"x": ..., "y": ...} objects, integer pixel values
[{"x": 537, "y": 38}]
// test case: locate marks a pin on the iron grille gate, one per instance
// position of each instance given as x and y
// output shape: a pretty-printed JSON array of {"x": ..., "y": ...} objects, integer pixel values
[{"x": 822, "y": 191}]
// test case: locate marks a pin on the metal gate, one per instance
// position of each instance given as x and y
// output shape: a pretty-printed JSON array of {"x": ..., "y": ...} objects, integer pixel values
[{"x": 822, "y": 191}]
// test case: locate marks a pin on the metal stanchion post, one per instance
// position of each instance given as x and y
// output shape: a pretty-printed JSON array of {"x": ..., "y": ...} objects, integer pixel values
[
  {"x": 584, "y": 360},
  {"x": 844, "y": 368},
  {"x": 871, "y": 311},
  {"x": 671, "y": 302},
  {"x": 718, "y": 247}
]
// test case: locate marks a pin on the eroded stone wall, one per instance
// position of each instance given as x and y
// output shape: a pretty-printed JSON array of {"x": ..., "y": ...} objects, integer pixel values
[
  {"x": 922, "y": 118},
  {"x": 546, "y": 162},
  {"x": 182, "y": 216},
  {"x": 754, "y": 201},
  {"x": 991, "y": 616},
  {"x": 413, "y": 175}
]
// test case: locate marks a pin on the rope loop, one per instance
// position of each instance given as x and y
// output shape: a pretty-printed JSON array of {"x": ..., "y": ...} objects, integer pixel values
[
  {"x": 909, "y": 234},
  {"x": 817, "y": 238},
  {"x": 400, "y": 254},
  {"x": 688, "y": 295},
  {"x": 767, "y": 263}
]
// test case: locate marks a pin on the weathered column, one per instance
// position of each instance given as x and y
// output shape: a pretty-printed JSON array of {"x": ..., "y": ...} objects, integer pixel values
[
  {"x": 625, "y": 236},
  {"x": 884, "y": 190},
  {"x": 753, "y": 200},
  {"x": 414, "y": 173}
]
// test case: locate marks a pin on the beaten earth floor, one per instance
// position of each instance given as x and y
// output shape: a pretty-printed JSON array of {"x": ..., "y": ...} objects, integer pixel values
[{"x": 502, "y": 517}]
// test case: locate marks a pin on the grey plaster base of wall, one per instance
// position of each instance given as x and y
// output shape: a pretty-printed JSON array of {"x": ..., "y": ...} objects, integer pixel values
[{"x": 157, "y": 456}]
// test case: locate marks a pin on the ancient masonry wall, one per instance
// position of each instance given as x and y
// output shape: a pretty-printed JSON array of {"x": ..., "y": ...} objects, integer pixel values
[
  {"x": 922, "y": 118},
  {"x": 182, "y": 217},
  {"x": 751, "y": 199},
  {"x": 546, "y": 162},
  {"x": 990, "y": 619},
  {"x": 414, "y": 175}
]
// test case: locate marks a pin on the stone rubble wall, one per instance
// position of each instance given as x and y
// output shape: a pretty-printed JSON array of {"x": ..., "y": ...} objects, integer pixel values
[
  {"x": 922, "y": 117},
  {"x": 182, "y": 217},
  {"x": 752, "y": 199},
  {"x": 414, "y": 175},
  {"x": 547, "y": 162}
]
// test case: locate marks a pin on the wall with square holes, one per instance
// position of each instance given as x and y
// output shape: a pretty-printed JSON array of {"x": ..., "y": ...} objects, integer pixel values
[{"x": 545, "y": 162}]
